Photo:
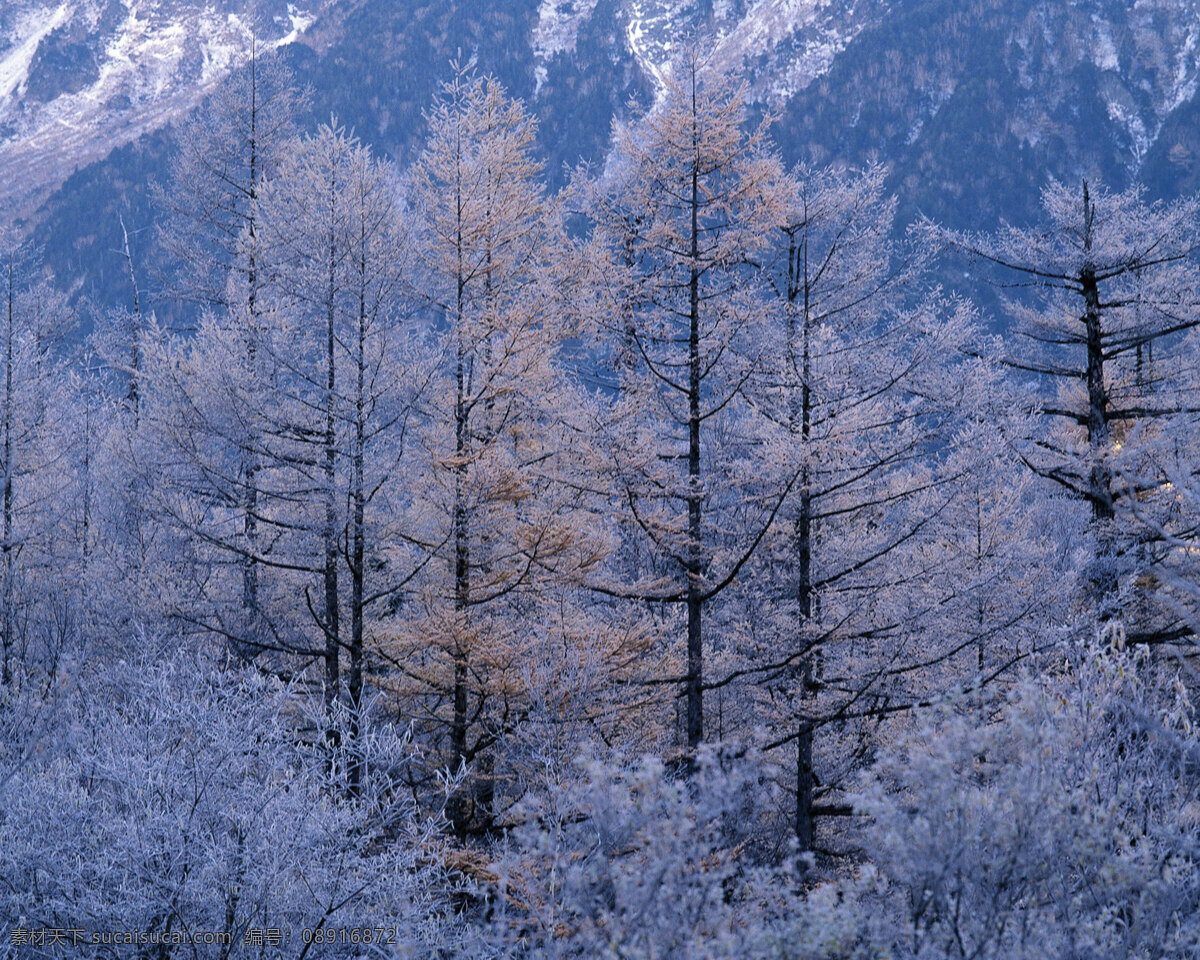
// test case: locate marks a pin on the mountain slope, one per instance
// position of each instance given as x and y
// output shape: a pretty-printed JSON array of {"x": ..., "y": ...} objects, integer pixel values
[
  {"x": 81, "y": 77},
  {"x": 975, "y": 104},
  {"x": 971, "y": 103}
]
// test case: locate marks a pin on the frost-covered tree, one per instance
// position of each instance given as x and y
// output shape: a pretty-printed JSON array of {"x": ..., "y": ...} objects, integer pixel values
[
  {"x": 1115, "y": 289},
  {"x": 207, "y": 417},
  {"x": 321, "y": 406},
  {"x": 864, "y": 404},
  {"x": 39, "y": 564},
  {"x": 502, "y": 532},
  {"x": 345, "y": 381},
  {"x": 306, "y": 239},
  {"x": 120, "y": 335},
  {"x": 678, "y": 220},
  {"x": 172, "y": 799},
  {"x": 127, "y": 545},
  {"x": 212, "y": 232},
  {"x": 1062, "y": 825},
  {"x": 621, "y": 859},
  {"x": 237, "y": 139}
]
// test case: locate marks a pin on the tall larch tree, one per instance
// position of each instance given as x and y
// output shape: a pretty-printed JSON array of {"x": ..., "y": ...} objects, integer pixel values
[
  {"x": 211, "y": 231},
  {"x": 679, "y": 219},
  {"x": 866, "y": 396},
  {"x": 487, "y": 506},
  {"x": 1112, "y": 290},
  {"x": 344, "y": 393},
  {"x": 39, "y": 562}
]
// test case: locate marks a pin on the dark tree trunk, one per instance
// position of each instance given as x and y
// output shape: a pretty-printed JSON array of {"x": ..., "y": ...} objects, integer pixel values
[
  {"x": 250, "y": 466},
  {"x": 799, "y": 293},
  {"x": 462, "y": 550},
  {"x": 358, "y": 539},
  {"x": 805, "y": 782},
  {"x": 6, "y": 615},
  {"x": 695, "y": 568},
  {"x": 331, "y": 624},
  {"x": 1100, "y": 479},
  {"x": 1104, "y": 577}
]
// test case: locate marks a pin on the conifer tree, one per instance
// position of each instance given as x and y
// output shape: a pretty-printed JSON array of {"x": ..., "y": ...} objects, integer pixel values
[
  {"x": 212, "y": 232},
  {"x": 488, "y": 507},
  {"x": 679, "y": 220},
  {"x": 344, "y": 390},
  {"x": 1114, "y": 288},
  {"x": 868, "y": 398},
  {"x": 39, "y": 566}
]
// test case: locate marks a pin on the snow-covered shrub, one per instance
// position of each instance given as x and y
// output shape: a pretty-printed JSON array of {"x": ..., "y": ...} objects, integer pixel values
[
  {"x": 1063, "y": 825},
  {"x": 176, "y": 800},
  {"x": 629, "y": 860}
]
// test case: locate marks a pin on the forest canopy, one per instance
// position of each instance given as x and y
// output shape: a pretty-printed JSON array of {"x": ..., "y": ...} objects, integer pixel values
[{"x": 664, "y": 566}]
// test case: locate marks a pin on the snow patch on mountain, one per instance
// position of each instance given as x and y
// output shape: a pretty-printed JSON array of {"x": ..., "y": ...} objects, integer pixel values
[
  {"x": 557, "y": 31},
  {"x": 1126, "y": 116},
  {"x": 558, "y": 26},
  {"x": 654, "y": 31},
  {"x": 31, "y": 27},
  {"x": 139, "y": 61},
  {"x": 785, "y": 44},
  {"x": 1161, "y": 76},
  {"x": 300, "y": 20},
  {"x": 155, "y": 60},
  {"x": 1187, "y": 70},
  {"x": 221, "y": 49}
]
